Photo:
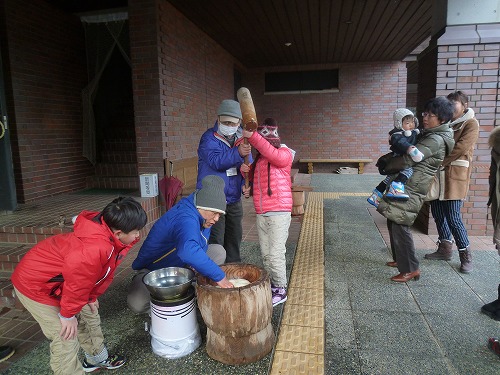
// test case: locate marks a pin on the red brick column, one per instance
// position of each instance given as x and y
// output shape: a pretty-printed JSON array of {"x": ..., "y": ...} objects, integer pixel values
[
  {"x": 468, "y": 60},
  {"x": 143, "y": 18}
]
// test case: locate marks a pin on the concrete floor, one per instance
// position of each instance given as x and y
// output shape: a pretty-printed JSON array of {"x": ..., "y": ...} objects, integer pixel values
[{"x": 370, "y": 324}]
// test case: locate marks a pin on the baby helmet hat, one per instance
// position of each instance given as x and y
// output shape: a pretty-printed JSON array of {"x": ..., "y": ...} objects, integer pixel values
[{"x": 399, "y": 115}]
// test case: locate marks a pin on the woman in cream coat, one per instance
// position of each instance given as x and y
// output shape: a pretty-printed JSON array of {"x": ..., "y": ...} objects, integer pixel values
[{"x": 454, "y": 179}]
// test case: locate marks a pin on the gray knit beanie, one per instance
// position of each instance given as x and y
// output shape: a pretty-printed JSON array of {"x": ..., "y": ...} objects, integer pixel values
[
  {"x": 399, "y": 115},
  {"x": 229, "y": 107},
  {"x": 211, "y": 196}
]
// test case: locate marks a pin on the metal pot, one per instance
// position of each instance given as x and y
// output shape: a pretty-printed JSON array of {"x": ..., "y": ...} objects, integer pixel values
[{"x": 168, "y": 283}]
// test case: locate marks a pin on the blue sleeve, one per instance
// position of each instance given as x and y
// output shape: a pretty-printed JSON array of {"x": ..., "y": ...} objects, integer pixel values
[
  {"x": 399, "y": 143},
  {"x": 192, "y": 250},
  {"x": 217, "y": 155},
  {"x": 157, "y": 244}
]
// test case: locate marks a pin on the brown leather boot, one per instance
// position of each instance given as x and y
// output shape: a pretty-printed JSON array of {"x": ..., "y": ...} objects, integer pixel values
[
  {"x": 465, "y": 260},
  {"x": 404, "y": 277},
  {"x": 443, "y": 252}
]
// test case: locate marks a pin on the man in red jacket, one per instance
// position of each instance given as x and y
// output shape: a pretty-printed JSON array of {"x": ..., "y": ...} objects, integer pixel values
[{"x": 60, "y": 278}]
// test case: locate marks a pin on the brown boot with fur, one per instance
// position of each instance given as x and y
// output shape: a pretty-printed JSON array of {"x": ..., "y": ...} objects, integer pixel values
[
  {"x": 465, "y": 260},
  {"x": 443, "y": 252}
]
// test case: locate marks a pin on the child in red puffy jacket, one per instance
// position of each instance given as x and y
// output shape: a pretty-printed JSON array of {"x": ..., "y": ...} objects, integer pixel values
[
  {"x": 272, "y": 198},
  {"x": 59, "y": 280}
]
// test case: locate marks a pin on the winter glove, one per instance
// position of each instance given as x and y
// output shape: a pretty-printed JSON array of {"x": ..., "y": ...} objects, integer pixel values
[{"x": 415, "y": 154}]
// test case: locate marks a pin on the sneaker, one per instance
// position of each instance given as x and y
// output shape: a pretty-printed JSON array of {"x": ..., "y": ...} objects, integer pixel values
[
  {"x": 375, "y": 198},
  {"x": 397, "y": 191},
  {"x": 113, "y": 362},
  {"x": 494, "y": 345},
  {"x": 279, "y": 295}
]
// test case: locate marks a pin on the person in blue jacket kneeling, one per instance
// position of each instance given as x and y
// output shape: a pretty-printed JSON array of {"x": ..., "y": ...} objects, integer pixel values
[{"x": 180, "y": 239}]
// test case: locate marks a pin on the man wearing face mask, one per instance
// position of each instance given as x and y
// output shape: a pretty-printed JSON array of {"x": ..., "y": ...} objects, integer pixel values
[{"x": 221, "y": 152}]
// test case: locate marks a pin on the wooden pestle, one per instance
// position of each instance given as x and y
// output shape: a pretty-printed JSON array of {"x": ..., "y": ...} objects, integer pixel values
[{"x": 249, "y": 120}]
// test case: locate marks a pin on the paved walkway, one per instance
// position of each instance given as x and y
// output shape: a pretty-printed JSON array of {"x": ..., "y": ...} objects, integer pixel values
[{"x": 370, "y": 326}]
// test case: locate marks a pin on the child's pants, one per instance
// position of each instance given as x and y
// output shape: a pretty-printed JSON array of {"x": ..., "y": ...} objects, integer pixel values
[
  {"x": 273, "y": 233},
  {"x": 64, "y": 353}
]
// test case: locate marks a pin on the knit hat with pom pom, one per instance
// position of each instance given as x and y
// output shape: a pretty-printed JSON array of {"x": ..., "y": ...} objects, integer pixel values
[{"x": 269, "y": 130}]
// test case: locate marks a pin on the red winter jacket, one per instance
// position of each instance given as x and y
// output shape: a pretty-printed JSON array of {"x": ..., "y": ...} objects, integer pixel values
[
  {"x": 280, "y": 183},
  {"x": 71, "y": 269}
]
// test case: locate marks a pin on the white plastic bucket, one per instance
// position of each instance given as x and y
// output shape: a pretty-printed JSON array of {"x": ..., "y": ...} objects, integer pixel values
[{"x": 174, "y": 327}]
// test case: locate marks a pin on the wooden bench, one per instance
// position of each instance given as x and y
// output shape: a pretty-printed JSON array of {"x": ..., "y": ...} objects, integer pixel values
[
  {"x": 360, "y": 162},
  {"x": 186, "y": 170}
]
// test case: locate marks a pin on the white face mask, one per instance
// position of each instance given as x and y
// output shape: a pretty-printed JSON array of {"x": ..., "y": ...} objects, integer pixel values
[{"x": 226, "y": 130}]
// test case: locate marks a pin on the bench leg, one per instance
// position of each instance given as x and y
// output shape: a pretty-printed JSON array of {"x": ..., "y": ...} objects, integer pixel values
[
  {"x": 361, "y": 168},
  {"x": 310, "y": 168}
]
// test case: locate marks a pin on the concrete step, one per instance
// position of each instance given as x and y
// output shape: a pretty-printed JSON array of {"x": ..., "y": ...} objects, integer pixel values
[
  {"x": 11, "y": 254},
  {"x": 116, "y": 169},
  {"x": 30, "y": 233},
  {"x": 118, "y": 156},
  {"x": 7, "y": 295},
  {"x": 108, "y": 182}
]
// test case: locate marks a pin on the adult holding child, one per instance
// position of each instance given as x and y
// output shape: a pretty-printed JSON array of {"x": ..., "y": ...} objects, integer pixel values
[
  {"x": 435, "y": 143},
  {"x": 454, "y": 185}
]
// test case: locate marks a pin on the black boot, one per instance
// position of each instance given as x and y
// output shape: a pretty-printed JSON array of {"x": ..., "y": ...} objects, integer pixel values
[{"x": 492, "y": 309}]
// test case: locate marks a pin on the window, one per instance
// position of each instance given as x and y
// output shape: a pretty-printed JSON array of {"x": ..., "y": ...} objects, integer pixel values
[{"x": 302, "y": 81}]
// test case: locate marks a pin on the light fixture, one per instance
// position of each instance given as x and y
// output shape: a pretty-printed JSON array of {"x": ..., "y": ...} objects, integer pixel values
[{"x": 288, "y": 44}]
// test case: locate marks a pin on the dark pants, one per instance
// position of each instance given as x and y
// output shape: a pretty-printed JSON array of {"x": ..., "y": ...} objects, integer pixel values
[
  {"x": 228, "y": 231},
  {"x": 402, "y": 247},
  {"x": 448, "y": 219}
]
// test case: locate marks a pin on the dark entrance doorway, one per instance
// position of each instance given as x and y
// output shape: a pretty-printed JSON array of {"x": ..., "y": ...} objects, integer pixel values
[{"x": 114, "y": 111}]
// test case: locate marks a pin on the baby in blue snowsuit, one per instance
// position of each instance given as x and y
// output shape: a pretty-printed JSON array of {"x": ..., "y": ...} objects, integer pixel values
[{"x": 402, "y": 139}]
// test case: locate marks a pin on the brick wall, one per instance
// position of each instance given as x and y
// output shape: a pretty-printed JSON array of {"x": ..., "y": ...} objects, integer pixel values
[
  {"x": 46, "y": 64},
  {"x": 351, "y": 123},
  {"x": 180, "y": 76},
  {"x": 474, "y": 69},
  {"x": 187, "y": 74}
]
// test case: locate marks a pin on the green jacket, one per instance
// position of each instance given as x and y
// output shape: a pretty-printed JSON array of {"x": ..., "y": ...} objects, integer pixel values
[
  {"x": 494, "y": 143},
  {"x": 435, "y": 144}
]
